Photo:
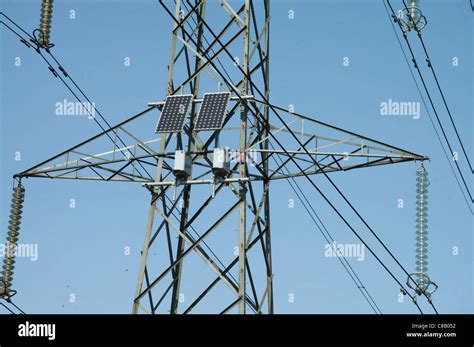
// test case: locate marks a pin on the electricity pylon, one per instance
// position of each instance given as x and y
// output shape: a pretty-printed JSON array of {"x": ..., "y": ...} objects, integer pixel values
[{"x": 262, "y": 143}]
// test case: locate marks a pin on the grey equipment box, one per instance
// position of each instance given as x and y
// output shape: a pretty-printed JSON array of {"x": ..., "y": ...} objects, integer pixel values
[
  {"x": 221, "y": 162},
  {"x": 182, "y": 164}
]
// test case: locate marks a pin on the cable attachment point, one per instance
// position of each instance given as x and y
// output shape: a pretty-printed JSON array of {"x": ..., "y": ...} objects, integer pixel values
[
  {"x": 411, "y": 17},
  {"x": 425, "y": 287}
]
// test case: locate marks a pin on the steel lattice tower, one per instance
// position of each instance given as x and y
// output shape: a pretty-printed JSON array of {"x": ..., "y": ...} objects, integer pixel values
[{"x": 269, "y": 143}]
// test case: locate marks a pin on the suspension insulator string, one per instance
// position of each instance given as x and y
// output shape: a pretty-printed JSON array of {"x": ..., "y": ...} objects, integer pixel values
[
  {"x": 45, "y": 24},
  {"x": 421, "y": 225},
  {"x": 419, "y": 281},
  {"x": 18, "y": 197}
]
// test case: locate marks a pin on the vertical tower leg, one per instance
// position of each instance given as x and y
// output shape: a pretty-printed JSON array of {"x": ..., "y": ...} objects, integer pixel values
[
  {"x": 266, "y": 188},
  {"x": 187, "y": 189},
  {"x": 159, "y": 169},
  {"x": 243, "y": 169},
  {"x": 242, "y": 210}
]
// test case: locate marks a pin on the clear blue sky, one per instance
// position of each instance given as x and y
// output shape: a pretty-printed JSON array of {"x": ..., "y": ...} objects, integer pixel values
[{"x": 81, "y": 250}]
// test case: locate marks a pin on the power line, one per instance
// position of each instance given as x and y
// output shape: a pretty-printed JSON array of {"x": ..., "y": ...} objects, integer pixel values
[
  {"x": 428, "y": 111},
  {"x": 345, "y": 263},
  {"x": 2, "y": 304},
  {"x": 9, "y": 301},
  {"x": 315, "y": 186},
  {"x": 430, "y": 65},
  {"x": 61, "y": 68},
  {"x": 310, "y": 156},
  {"x": 67, "y": 75},
  {"x": 258, "y": 118},
  {"x": 335, "y": 208},
  {"x": 405, "y": 36},
  {"x": 19, "y": 309},
  {"x": 340, "y": 193}
]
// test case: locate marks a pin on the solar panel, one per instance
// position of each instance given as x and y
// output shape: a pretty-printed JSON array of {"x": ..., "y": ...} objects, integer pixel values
[
  {"x": 173, "y": 113},
  {"x": 212, "y": 112}
]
